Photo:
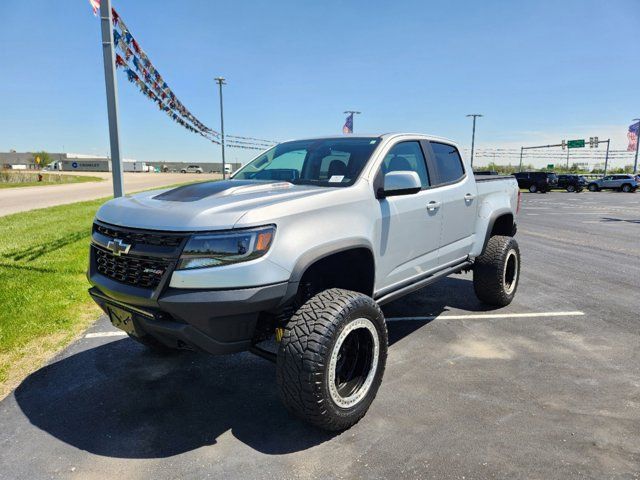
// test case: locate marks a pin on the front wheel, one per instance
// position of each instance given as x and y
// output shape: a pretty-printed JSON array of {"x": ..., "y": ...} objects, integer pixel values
[
  {"x": 497, "y": 271},
  {"x": 593, "y": 187},
  {"x": 331, "y": 358},
  {"x": 571, "y": 188},
  {"x": 533, "y": 188}
]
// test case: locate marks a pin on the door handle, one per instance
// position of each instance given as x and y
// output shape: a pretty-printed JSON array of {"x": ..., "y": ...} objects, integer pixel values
[
  {"x": 468, "y": 197},
  {"x": 433, "y": 205}
]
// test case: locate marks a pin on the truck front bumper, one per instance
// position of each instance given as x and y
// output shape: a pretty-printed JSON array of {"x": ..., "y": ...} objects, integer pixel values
[{"x": 213, "y": 321}]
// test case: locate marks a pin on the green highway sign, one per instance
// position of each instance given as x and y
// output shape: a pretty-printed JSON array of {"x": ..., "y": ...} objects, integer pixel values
[
  {"x": 575, "y": 143},
  {"x": 550, "y": 166}
]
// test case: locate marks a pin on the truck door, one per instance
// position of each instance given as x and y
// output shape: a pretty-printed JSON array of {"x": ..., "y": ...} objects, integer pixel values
[
  {"x": 409, "y": 225},
  {"x": 457, "y": 191}
]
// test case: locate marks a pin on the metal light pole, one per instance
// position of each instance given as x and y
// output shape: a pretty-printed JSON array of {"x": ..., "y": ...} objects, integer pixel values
[
  {"x": 473, "y": 135},
  {"x": 106, "y": 23},
  {"x": 352, "y": 112},
  {"x": 635, "y": 162},
  {"x": 221, "y": 81},
  {"x": 521, "y": 151}
]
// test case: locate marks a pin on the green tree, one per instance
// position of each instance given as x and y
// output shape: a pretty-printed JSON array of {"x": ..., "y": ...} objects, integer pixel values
[{"x": 45, "y": 158}]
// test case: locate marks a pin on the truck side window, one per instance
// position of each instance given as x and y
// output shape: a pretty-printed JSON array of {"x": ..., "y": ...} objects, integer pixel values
[
  {"x": 448, "y": 162},
  {"x": 407, "y": 156}
]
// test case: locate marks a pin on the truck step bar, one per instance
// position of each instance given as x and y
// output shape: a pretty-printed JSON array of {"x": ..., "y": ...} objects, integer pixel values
[{"x": 418, "y": 284}]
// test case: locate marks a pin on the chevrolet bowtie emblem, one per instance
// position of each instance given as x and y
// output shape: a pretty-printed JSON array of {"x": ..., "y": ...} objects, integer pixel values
[{"x": 117, "y": 247}]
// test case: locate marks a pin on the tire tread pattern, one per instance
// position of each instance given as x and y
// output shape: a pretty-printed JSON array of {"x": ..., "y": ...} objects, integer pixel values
[{"x": 304, "y": 353}]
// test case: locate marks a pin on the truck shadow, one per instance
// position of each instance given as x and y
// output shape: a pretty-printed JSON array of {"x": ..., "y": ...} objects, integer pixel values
[{"x": 120, "y": 400}]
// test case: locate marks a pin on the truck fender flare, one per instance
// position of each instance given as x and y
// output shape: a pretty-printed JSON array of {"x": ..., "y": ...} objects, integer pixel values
[
  {"x": 491, "y": 222},
  {"x": 321, "y": 251}
]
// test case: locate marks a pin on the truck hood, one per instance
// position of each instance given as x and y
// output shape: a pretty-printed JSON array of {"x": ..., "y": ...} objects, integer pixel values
[{"x": 200, "y": 206}]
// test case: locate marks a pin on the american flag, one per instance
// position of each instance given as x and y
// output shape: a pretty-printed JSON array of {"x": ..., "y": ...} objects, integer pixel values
[
  {"x": 95, "y": 4},
  {"x": 632, "y": 135},
  {"x": 348, "y": 124}
]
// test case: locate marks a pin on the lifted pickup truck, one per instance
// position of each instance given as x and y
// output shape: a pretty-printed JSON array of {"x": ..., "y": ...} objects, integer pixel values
[{"x": 302, "y": 246}]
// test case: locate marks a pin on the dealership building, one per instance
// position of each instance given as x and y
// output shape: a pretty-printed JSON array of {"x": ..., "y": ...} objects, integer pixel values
[{"x": 80, "y": 162}]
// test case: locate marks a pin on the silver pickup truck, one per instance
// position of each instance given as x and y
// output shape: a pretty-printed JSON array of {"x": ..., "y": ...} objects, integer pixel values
[{"x": 302, "y": 246}]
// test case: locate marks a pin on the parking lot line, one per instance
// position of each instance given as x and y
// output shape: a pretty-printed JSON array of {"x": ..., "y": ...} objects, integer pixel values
[
  {"x": 105, "y": 334},
  {"x": 470, "y": 316},
  {"x": 479, "y": 316}
]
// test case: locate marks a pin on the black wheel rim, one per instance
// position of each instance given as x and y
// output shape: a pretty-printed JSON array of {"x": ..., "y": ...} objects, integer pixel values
[{"x": 354, "y": 362}]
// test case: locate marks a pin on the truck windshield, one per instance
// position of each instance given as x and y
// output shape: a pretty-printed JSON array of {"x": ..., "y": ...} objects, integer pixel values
[{"x": 329, "y": 162}]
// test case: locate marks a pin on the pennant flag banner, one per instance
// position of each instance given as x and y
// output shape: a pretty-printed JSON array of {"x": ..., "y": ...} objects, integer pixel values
[
  {"x": 137, "y": 66},
  {"x": 632, "y": 135}
]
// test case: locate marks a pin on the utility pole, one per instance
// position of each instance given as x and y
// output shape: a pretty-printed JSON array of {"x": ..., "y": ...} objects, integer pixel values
[
  {"x": 606, "y": 158},
  {"x": 106, "y": 23},
  {"x": 473, "y": 135},
  {"x": 352, "y": 112},
  {"x": 521, "y": 151},
  {"x": 221, "y": 81},
  {"x": 635, "y": 162}
]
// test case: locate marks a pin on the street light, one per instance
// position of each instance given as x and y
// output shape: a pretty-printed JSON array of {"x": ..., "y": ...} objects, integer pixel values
[
  {"x": 221, "y": 81},
  {"x": 473, "y": 135}
]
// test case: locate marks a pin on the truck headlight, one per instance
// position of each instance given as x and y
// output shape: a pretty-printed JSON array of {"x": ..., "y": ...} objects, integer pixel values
[{"x": 217, "y": 249}]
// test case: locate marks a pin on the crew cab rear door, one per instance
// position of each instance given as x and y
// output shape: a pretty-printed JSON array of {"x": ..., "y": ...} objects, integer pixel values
[
  {"x": 408, "y": 227},
  {"x": 457, "y": 191}
]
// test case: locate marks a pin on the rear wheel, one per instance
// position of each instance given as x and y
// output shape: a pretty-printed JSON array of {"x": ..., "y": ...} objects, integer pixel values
[
  {"x": 533, "y": 188},
  {"x": 331, "y": 358},
  {"x": 571, "y": 188},
  {"x": 593, "y": 187},
  {"x": 497, "y": 271},
  {"x": 626, "y": 188}
]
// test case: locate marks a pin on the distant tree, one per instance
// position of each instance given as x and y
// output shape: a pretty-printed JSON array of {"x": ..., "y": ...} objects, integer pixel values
[{"x": 45, "y": 158}]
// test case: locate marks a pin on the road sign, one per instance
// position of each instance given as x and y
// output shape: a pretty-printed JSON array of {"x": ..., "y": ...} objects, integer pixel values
[
  {"x": 564, "y": 144},
  {"x": 575, "y": 143},
  {"x": 550, "y": 166}
]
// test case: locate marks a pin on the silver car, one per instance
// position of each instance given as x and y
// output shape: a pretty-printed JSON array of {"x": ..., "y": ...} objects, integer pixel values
[{"x": 622, "y": 183}]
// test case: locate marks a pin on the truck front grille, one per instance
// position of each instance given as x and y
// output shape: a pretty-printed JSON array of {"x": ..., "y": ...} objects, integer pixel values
[
  {"x": 143, "y": 272},
  {"x": 140, "y": 237}
]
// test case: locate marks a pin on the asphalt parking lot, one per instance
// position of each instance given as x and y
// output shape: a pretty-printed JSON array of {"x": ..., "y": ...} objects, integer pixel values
[{"x": 548, "y": 387}]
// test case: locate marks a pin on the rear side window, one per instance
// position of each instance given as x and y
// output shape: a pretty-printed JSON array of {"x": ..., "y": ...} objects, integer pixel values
[
  {"x": 407, "y": 156},
  {"x": 448, "y": 162}
]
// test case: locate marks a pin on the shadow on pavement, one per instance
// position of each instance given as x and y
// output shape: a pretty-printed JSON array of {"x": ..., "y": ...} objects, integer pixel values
[{"x": 120, "y": 400}]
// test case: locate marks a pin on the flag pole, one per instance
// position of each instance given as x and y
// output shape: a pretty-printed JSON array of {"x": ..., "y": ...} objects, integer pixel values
[
  {"x": 106, "y": 22},
  {"x": 635, "y": 162}
]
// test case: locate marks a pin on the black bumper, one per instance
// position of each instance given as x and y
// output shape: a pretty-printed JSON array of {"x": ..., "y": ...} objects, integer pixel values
[{"x": 213, "y": 321}]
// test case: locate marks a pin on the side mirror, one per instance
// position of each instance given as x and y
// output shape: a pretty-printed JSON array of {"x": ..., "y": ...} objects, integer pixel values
[{"x": 400, "y": 183}]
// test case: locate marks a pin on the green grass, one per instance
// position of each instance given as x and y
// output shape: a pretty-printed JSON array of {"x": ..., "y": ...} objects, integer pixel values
[
  {"x": 43, "y": 289},
  {"x": 11, "y": 179},
  {"x": 44, "y": 302}
]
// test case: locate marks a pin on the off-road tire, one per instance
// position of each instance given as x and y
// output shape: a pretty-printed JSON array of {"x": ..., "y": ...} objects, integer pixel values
[
  {"x": 305, "y": 357},
  {"x": 496, "y": 273},
  {"x": 154, "y": 345},
  {"x": 593, "y": 187},
  {"x": 533, "y": 188}
]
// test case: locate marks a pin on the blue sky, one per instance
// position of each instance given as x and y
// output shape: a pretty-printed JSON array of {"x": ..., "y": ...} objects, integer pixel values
[{"x": 539, "y": 71}]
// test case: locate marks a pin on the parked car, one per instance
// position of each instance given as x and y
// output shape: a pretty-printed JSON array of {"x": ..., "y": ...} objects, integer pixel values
[
  {"x": 192, "y": 169},
  {"x": 537, "y": 181},
  {"x": 622, "y": 182},
  {"x": 298, "y": 251},
  {"x": 571, "y": 183}
]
